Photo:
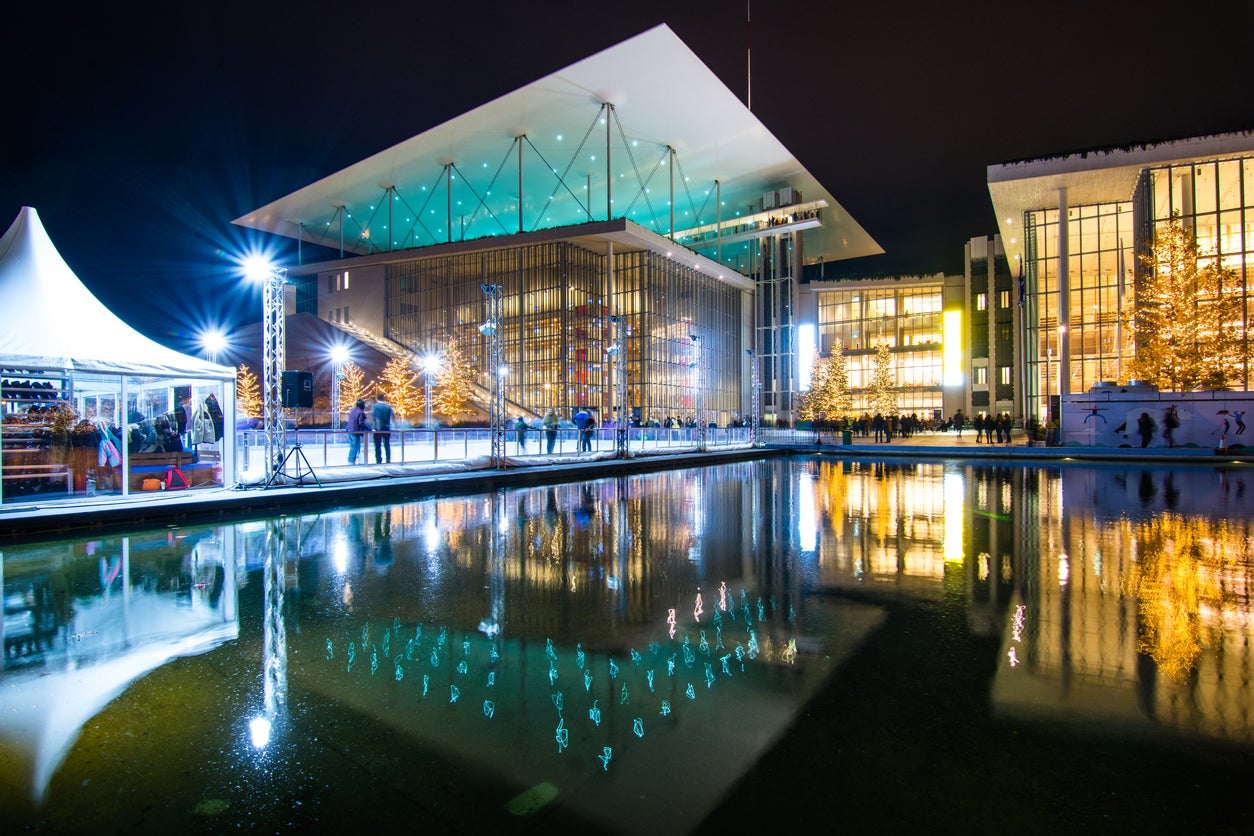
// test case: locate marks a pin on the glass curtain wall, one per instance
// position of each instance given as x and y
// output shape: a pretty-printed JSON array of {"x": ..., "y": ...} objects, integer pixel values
[
  {"x": 556, "y": 329},
  {"x": 1099, "y": 272},
  {"x": 908, "y": 319},
  {"x": 1215, "y": 200}
]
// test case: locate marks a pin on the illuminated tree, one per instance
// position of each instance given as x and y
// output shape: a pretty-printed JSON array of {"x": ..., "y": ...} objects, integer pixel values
[
  {"x": 882, "y": 392},
  {"x": 353, "y": 385},
  {"x": 829, "y": 395},
  {"x": 248, "y": 400},
  {"x": 453, "y": 384},
  {"x": 1188, "y": 318},
  {"x": 399, "y": 383}
]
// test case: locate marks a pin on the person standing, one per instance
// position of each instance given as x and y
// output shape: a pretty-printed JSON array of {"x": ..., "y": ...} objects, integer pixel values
[
  {"x": 585, "y": 422},
  {"x": 1145, "y": 428},
  {"x": 959, "y": 420},
  {"x": 357, "y": 428},
  {"x": 550, "y": 431},
  {"x": 1171, "y": 420},
  {"x": 520, "y": 426},
  {"x": 381, "y": 412}
]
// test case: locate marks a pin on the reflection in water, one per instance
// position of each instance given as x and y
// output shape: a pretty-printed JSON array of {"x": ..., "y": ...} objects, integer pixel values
[
  {"x": 596, "y": 642},
  {"x": 83, "y": 620}
]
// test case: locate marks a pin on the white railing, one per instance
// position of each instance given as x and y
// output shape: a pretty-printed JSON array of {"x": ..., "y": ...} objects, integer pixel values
[{"x": 329, "y": 448}]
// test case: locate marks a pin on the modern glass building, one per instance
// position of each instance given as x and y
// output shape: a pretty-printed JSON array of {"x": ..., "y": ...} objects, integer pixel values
[
  {"x": 634, "y": 216},
  {"x": 906, "y": 313},
  {"x": 1073, "y": 227}
]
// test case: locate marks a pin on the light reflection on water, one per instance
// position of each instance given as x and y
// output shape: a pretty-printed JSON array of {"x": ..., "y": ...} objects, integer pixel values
[{"x": 585, "y": 647}]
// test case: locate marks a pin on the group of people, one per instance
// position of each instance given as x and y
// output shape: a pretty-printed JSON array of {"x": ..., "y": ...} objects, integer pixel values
[
  {"x": 379, "y": 423},
  {"x": 992, "y": 428},
  {"x": 584, "y": 422}
]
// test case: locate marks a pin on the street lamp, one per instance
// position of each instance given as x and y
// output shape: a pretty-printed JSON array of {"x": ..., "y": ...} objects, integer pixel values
[
  {"x": 431, "y": 365},
  {"x": 491, "y": 328},
  {"x": 699, "y": 384},
  {"x": 339, "y": 356},
  {"x": 617, "y": 352},
  {"x": 212, "y": 341}
]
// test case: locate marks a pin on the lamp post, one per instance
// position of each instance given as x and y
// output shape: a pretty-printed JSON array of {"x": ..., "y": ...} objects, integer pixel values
[
  {"x": 699, "y": 384},
  {"x": 273, "y": 358},
  {"x": 212, "y": 341},
  {"x": 618, "y": 353},
  {"x": 431, "y": 365},
  {"x": 491, "y": 328},
  {"x": 755, "y": 401},
  {"x": 339, "y": 356}
]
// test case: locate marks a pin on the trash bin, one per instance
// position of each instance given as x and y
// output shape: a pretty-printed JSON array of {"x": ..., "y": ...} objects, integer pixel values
[{"x": 846, "y": 437}]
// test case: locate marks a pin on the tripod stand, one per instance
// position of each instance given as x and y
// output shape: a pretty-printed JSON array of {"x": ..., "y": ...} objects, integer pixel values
[{"x": 302, "y": 465}]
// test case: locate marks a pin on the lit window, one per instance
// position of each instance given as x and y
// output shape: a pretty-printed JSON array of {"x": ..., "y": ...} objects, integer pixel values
[
  {"x": 1003, "y": 298},
  {"x": 981, "y": 301},
  {"x": 1003, "y": 375},
  {"x": 981, "y": 375}
]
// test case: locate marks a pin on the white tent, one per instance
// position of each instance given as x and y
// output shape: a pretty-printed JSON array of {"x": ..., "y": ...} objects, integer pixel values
[{"x": 52, "y": 322}]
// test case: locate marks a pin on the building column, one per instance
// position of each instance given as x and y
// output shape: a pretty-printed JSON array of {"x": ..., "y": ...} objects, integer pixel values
[{"x": 1063, "y": 329}]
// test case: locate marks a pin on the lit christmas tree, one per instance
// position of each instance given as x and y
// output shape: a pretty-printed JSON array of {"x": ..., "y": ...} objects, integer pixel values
[
  {"x": 454, "y": 383},
  {"x": 1189, "y": 317},
  {"x": 248, "y": 400},
  {"x": 883, "y": 389},
  {"x": 399, "y": 383},
  {"x": 829, "y": 397},
  {"x": 353, "y": 385}
]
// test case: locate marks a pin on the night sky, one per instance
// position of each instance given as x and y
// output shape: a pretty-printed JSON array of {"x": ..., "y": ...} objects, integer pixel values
[{"x": 139, "y": 132}]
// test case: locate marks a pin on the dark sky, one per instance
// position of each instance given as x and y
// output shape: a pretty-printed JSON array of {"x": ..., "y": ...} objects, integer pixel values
[{"x": 139, "y": 132}]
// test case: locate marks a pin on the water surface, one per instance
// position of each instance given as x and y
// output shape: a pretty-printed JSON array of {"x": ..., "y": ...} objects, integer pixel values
[{"x": 630, "y": 654}]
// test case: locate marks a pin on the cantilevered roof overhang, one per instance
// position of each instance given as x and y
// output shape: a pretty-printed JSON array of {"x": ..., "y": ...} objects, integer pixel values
[
  {"x": 642, "y": 131},
  {"x": 1101, "y": 176}
]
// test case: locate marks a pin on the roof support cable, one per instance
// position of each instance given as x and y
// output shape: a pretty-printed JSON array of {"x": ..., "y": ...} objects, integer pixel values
[
  {"x": 418, "y": 214},
  {"x": 561, "y": 179},
  {"x": 479, "y": 199}
]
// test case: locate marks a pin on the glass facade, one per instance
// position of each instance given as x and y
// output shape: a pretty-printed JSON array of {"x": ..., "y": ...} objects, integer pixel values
[
  {"x": 908, "y": 318},
  {"x": 1100, "y": 252},
  {"x": 1215, "y": 200},
  {"x": 556, "y": 303}
]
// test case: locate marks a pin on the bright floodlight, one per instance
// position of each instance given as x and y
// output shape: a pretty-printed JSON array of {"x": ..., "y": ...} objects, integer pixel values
[
  {"x": 503, "y": 371},
  {"x": 257, "y": 268},
  {"x": 339, "y": 354},
  {"x": 488, "y": 328},
  {"x": 431, "y": 363},
  {"x": 213, "y": 340}
]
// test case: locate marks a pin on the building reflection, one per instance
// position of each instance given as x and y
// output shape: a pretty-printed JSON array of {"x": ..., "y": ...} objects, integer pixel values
[{"x": 1122, "y": 595}]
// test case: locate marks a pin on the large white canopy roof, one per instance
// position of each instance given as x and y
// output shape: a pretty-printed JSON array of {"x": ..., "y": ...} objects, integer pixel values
[
  {"x": 1098, "y": 176},
  {"x": 552, "y": 138},
  {"x": 49, "y": 321}
]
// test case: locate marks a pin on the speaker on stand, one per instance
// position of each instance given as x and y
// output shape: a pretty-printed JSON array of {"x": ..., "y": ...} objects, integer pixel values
[{"x": 296, "y": 392}]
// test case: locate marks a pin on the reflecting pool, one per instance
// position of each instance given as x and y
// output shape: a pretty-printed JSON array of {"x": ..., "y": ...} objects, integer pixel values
[{"x": 636, "y": 654}]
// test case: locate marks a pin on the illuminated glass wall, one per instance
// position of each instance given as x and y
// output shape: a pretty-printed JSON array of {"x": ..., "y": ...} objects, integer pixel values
[
  {"x": 908, "y": 318},
  {"x": 556, "y": 304},
  {"x": 1215, "y": 200},
  {"x": 1099, "y": 276}
]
